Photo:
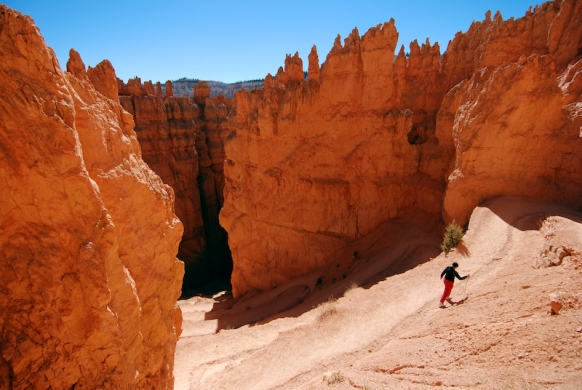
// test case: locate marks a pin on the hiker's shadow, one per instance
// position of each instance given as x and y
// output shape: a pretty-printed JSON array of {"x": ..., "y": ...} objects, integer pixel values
[
  {"x": 460, "y": 301},
  {"x": 463, "y": 250}
]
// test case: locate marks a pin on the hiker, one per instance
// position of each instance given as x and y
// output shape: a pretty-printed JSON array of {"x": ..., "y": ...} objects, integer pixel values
[{"x": 450, "y": 273}]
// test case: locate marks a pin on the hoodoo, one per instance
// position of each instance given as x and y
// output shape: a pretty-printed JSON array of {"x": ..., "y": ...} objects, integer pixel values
[
  {"x": 88, "y": 234},
  {"x": 369, "y": 137}
]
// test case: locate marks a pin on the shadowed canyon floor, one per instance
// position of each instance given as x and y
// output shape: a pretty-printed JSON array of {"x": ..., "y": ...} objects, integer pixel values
[{"x": 376, "y": 324}]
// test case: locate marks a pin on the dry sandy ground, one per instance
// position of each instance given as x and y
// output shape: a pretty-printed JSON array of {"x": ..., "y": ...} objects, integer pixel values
[{"x": 382, "y": 328}]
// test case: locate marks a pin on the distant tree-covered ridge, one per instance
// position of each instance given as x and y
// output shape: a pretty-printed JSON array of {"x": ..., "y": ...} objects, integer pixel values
[{"x": 185, "y": 86}]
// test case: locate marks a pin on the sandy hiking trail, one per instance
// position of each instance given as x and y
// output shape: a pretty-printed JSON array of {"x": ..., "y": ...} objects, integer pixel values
[{"x": 371, "y": 320}]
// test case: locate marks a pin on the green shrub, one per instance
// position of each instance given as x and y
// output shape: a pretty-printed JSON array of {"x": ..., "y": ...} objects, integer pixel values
[{"x": 453, "y": 236}]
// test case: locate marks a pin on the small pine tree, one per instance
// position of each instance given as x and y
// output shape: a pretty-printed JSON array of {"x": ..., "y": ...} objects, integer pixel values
[{"x": 453, "y": 236}]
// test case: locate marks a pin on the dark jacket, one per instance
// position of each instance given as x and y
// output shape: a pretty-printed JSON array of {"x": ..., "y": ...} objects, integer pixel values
[{"x": 450, "y": 274}]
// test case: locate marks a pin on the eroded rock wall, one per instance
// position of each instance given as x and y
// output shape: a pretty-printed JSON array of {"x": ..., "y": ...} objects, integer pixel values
[
  {"x": 515, "y": 122},
  {"x": 313, "y": 164},
  {"x": 182, "y": 141},
  {"x": 514, "y": 135},
  {"x": 88, "y": 234}
]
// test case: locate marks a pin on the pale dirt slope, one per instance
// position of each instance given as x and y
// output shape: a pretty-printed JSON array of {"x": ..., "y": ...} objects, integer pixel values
[{"x": 390, "y": 333}]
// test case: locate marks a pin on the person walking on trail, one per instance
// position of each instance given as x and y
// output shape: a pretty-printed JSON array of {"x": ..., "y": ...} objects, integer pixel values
[{"x": 450, "y": 273}]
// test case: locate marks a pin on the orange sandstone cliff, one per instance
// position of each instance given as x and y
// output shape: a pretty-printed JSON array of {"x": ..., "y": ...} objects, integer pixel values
[
  {"x": 182, "y": 141},
  {"x": 88, "y": 234},
  {"x": 517, "y": 120},
  {"x": 315, "y": 164}
]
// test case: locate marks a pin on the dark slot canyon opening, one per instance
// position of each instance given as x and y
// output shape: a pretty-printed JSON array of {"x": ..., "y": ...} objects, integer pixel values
[
  {"x": 208, "y": 272},
  {"x": 211, "y": 272},
  {"x": 182, "y": 140}
]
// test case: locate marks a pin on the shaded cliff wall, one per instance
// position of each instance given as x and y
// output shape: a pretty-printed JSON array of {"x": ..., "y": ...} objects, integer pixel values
[
  {"x": 312, "y": 165},
  {"x": 212, "y": 131},
  {"x": 88, "y": 234},
  {"x": 182, "y": 141}
]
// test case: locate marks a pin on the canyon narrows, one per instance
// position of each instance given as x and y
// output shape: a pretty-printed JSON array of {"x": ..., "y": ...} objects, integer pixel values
[{"x": 182, "y": 140}]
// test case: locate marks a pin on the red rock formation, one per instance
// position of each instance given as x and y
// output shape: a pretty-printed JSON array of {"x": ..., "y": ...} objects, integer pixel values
[
  {"x": 104, "y": 80},
  {"x": 512, "y": 115},
  {"x": 134, "y": 87},
  {"x": 323, "y": 164},
  {"x": 169, "y": 91},
  {"x": 148, "y": 87},
  {"x": 293, "y": 73},
  {"x": 269, "y": 82},
  {"x": 314, "y": 165},
  {"x": 182, "y": 141},
  {"x": 88, "y": 235},
  {"x": 313, "y": 70},
  {"x": 201, "y": 92},
  {"x": 531, "y": 145}
]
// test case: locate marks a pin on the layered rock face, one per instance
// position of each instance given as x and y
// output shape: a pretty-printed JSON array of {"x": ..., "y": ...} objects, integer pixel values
[
  {"x": 313, "y": 164},
  {"x": 517, "y": 119},
  {"x": 88, "y": 234},
  {"x": 182, "y": 141}
]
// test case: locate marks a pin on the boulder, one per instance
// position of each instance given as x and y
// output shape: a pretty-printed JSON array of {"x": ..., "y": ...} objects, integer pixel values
[{"x": 555, "y": 304}]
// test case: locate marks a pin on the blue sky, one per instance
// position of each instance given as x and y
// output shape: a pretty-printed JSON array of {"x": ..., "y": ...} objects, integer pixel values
[{"x": 235, "y": 40}]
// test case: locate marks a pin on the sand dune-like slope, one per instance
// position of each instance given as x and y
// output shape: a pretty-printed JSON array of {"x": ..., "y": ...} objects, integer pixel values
[{"x": 389, "y": 332}]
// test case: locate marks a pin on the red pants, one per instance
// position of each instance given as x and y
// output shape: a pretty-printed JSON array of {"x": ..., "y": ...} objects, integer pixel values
[{"x": 448, "y": 288}]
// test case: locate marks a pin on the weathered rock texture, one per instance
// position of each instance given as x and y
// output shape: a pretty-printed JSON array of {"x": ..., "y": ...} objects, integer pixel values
[
  {"x": 104, "y": 80},
  {"x": 182, "y": 141},
  {"x": 312, "y": 165},
  {"x": 88, "y": 234}
]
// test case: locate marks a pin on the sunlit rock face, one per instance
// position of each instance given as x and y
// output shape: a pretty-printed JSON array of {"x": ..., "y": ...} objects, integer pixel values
[
  {"x": 370, "y": 136},
  {"x": 88, "y": 234},
  {"x": 515, "y": 120}
]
